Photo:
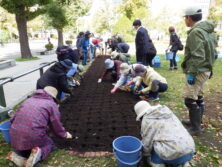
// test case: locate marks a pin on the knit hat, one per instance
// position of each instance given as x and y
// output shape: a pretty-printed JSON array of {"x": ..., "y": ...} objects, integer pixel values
[
  {"x": 80, "y": 68},
  {"x": 139, "y": 69},
  {"x": 124, "y": 68},
  {"x": 192, "y": 10},
  {"x": 109, "y": 63},
  {"x": 141, "y": 108},
  {"x": 114, "y": 54},
  {"x": 51, "y": 90},
  {"x": 67, "y": 63},
  {"x": 137, "y": 22}
]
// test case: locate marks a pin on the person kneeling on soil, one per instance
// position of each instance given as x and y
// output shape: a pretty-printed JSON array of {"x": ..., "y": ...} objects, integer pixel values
[
  {"x": 149, "y": 83},
  {"x": 124, "y": 57},
  {"x": 56, "y": 77},
  {"x": 165, "y": 140},
  {"x": 113, "y": 67},
  {"x": 126, "y": 73},
  {"x": 29, "y": 128}
]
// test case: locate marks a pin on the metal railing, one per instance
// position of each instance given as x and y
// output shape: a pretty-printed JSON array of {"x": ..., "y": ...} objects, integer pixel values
[{"x": 5, "y": 80}]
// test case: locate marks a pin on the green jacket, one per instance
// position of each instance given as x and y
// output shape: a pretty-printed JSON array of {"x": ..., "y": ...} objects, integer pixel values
[{"x": 200, "y": 49}]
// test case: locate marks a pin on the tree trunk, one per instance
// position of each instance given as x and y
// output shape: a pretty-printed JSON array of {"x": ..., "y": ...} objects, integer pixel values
[
  {"x": 60, "y": 37},
  {"x": 23, "y": 36}
]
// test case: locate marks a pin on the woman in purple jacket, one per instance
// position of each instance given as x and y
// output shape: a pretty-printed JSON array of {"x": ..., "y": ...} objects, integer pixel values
[{"x": 29, "y": 128}]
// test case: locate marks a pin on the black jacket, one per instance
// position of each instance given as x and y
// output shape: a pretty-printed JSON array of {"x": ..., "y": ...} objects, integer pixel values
[
  {"x": 144, "y": 45},
  {"x": 55, "y": 76},
  {"x": 174, "y": 41}
]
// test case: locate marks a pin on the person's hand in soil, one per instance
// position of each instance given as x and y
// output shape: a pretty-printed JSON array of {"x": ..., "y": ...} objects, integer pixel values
[
  {"x": 113, "y": 90},
  {"x": 99, "y": 80},
  {"x": 129, "y": 83},
  {"x": 68, "y": 135}
]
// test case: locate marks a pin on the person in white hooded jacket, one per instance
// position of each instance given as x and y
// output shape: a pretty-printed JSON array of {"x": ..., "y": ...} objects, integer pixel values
[{"x": 165, "y": 140}]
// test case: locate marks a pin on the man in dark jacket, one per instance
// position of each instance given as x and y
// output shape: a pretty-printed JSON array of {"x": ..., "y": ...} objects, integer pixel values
[
  {"x": 145, "y": 50},
  {"x": 56, "y": 77},
  {"x": 123, "y": 47},
  {"x": 64, "y": 52}
]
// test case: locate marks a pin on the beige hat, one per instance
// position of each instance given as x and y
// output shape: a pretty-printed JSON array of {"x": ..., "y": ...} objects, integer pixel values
[
  {"x": 192, "y": 10},
  {"x": 141, "y": 108},
  {"x": 51, "y": 90},
  {"x": 114, "y": 54},
  {"x": 124, "y": 68}
]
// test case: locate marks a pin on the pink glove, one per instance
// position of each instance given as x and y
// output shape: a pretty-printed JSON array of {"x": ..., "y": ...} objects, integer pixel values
[
  {"x": 113, "y": 90},
  {"x": 129, "y": 83}
]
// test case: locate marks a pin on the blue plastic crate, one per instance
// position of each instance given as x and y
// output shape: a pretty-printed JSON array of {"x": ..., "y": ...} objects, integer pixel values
[{"x": 157, "y": 64}]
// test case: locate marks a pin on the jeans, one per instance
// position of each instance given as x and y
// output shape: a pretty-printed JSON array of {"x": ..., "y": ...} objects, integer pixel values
[
  {"x": 173, "y": 61},
  {"x": 92, "y": 52},
  {"x": 157, "y": 87},
  {"x": 155, "y": 158},
  {"x": 85, "y": 55}
]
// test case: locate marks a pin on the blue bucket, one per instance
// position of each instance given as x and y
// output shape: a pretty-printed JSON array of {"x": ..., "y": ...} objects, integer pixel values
[
  {"x": 126, "y": 164},
  {"x": 5, "y": 127},
  {"x": 127, "y": 149}
]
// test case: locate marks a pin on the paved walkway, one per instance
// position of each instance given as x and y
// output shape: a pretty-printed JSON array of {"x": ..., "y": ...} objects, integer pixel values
[{"x": 19, "y": 88}]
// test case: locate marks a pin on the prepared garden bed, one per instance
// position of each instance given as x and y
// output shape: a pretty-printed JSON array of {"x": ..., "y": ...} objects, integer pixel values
[{"x": 95, "y": 117}]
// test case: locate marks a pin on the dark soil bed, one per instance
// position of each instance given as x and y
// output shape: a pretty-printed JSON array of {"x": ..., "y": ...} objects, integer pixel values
[{"x": 94, "y": 116}]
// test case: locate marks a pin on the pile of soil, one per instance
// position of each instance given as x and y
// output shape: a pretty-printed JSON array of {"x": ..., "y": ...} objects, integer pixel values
[{"x": 94, "y": 116}]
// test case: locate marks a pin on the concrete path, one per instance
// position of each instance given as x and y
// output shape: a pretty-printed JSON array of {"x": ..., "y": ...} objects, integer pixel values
[{"x": 20, "y": 88}]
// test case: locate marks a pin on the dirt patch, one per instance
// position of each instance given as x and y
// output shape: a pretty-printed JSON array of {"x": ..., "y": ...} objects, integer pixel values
[
  {"x": 213, "y": 112},
  {"x": 94, "y": 116}
]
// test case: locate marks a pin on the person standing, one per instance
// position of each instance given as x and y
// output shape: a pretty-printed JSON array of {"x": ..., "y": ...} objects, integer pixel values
[
  {"x": 85, "y": 47},
  {"x": 200, "y": 51},
  {"x": 174, "y": 43},
  {"x": 145, "y": 49}
]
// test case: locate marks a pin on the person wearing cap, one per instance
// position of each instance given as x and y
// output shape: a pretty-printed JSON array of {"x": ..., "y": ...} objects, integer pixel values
[
  {"x": 56, "y": 77},
  {"x": 173, "y": 47},
  {"x": 113, "y": 67},
  {"x": 126, "y": 73},
  {"x": 199, "y": 58},
  {"x": 165, "y": 141},
  {"x": 145, "y": 49},
  {"x": 85, "y": 47},
  {"x": 124, "y": 57},
  {"x": 149, "y": 82},
  {"x": 29, "y": 127}
]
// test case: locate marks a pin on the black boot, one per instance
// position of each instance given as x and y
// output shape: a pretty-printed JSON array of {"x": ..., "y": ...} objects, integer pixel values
[
  {"x": 194, "y": 115},
  {"x": 201, "y": 105}
]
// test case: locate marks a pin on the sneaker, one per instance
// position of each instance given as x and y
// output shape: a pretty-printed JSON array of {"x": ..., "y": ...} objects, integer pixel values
[
  {"x": 18, "y": 160},
  {"x": 153, "y": 98},
  {"x": 34, "y": 157},
  {"x": 171, "y": 68},
  {"x": 175, "y": 68}
]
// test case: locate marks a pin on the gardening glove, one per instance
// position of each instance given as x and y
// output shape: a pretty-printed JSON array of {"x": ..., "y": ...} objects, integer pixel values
[
  {"x": 99, "y": 80},
  {"x": 113, "y": 90},
  {"x": 129, "y": 83},
  {"x": 68, "y": 135},
  {"x": 191, "y": 79},
  {"x": 140, "y": 92}
]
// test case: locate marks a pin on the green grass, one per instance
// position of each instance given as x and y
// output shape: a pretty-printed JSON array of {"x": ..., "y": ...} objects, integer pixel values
[
  {"x": 208, "y": 146},
  {"x": 27, "y": 59}
]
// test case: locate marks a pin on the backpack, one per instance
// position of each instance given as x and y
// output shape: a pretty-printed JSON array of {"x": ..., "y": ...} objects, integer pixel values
[{"x": 180, "y": 45}]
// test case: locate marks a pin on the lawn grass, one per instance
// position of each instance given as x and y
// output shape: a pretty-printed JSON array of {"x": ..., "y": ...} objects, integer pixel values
[
  {"x": 206, "y": 156},
  {"x": 27, "y": 59}
]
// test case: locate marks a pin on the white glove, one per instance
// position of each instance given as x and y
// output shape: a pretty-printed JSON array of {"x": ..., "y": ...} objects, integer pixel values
[
  {"x": 99, "y": 80},
  {"x": 77, "y": 83},
  {"x": 68, "y": 135}
]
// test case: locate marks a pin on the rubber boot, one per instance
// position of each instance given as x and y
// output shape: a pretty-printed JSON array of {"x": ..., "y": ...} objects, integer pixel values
[
  {"x": 194, "y": 115},
  {"x": 201, "y": 105}
]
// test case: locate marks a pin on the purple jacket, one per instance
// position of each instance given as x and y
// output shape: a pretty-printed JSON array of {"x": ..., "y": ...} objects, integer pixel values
[{"x": 29, "y": 126}]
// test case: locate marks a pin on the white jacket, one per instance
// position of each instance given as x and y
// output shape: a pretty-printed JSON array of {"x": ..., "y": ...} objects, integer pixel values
[{"x": 162, "y": 131}]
